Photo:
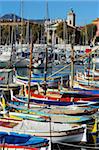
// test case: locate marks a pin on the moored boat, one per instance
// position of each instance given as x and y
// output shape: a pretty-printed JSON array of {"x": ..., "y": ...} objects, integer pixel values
[
  {"x": 58, "y": 132},
  {"x": 15, "y": 140}
]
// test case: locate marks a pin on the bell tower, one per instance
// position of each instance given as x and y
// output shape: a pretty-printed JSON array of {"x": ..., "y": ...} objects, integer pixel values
[{"x": 71, "y": 18}]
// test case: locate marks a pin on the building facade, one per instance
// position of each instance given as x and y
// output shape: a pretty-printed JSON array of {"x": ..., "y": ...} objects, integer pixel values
[{"x": 71, "y": 32}]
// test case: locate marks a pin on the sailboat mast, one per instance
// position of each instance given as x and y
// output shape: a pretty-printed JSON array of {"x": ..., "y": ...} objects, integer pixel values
[
  {"x": 72, "y": 62},
  {"x": 72, "y": 66},
  {"x": 65, "y": 36},
  {"x": 46, "y": 52},
  {"x": 15, "y": 30},
  {"x": 12, "y": 32},
  {"x": 27, "y": 32},
  {"x": 21, "y": 12},
  {"x": 30, "y": 68},
  {"x": 45, "y": 71}
]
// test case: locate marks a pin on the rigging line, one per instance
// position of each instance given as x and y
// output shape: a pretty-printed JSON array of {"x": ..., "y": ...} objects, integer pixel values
[
  {"x": 70, "y": 63},
  {"x": 58, "y": 71},
  {"x": 79, "y": 146}
]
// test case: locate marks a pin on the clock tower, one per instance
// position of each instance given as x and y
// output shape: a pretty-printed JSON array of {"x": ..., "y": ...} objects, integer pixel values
[{"x": 71, "y": 18}]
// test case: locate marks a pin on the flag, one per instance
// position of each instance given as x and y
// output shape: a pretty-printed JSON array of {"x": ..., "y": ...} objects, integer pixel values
[{"x": 87, "y": 50}]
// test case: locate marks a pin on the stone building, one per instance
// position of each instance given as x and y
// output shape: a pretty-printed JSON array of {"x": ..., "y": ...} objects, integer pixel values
[{"x": 51, "y": 26}]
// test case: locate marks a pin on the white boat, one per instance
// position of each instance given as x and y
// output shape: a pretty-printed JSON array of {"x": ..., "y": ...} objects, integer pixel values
[
  {"x": 7, "y": 58},
  {"x": 56, "y": 132}
]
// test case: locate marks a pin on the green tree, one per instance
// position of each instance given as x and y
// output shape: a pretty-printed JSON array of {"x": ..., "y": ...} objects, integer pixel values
[
  {"x": 88, "y": 32},
  {"x": 37, "y": 31},
  {"x": 5, "y": 34},
  {"x": 59, "y": 30}
]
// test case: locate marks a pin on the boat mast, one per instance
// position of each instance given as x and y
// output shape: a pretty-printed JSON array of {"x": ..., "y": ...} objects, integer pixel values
[
  {"x": 46, "y": 51},
  {"x": 45, "y": 71},
  {"x": 12, "y": 35},
  {"x": 21, "y": 34},
  {"x": 65, "y": 42},
  {"x": 65, "y": 34},
  {"x": 27, "y": 32},
  {"x": 72, "y": 61},
  {"x": 30, "y": 68},
  {"x": 15, "y": 19}
]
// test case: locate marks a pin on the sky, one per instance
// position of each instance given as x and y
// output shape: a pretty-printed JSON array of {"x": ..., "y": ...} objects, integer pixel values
[{"x": 86, "y": 10}]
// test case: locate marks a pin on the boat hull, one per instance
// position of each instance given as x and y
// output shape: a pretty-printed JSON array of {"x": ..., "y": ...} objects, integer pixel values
[{"x": 51, "y": 132}]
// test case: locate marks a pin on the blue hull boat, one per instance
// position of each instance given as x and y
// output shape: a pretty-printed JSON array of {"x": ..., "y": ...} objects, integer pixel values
[{"x": 17, "y": 139}]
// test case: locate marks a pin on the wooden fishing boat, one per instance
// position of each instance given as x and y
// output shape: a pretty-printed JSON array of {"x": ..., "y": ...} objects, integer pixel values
[
  {"x": 53, "y": 97},
  {"x": 72, "y": 110},
  {"x": 21, "y": 141},
  {"x": 18, "y": 114},
  {"x": 82, "y": 80},
  {"x": 43, "y": 114},
  {"x": 86, "y": 82},
  {"x": 77, "y": 110},
  {"x": 37, "y": 92},
  {"x": 17, "y": 110},
  {"x": 67, "y": 99},
  {"x": 86, "y": 87},
  {"x": 44, "y": 101},
  {"x": 58, "y": 132},
  {"x": 65, "y": 95},
  {"x": 52, "y": 82},
  {"x": 81, "y": 93},
  {"x": 90, "y": 78}
]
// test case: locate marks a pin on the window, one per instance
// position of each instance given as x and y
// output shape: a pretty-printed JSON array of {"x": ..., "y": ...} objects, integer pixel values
[
  {"x": 56, "y": 40},
  {"x": 70, "y": 22}
]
